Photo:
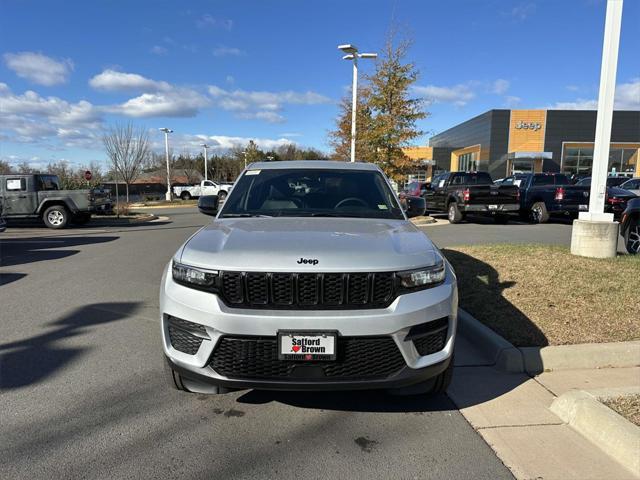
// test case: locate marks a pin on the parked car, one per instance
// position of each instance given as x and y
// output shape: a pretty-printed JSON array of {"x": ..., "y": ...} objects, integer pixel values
[
  {"x": 611, "y": 181},
  {"x": 459, "y": 193},
  {"x": 206, "y": 187},
  {"x": 630, "y": 226},
  {"x": 415, "y": 189},
  {"x": 38, "y": 196},
  {"x": 632, "y": 185},
  {"x": 545, "y": 194},
  {"x": 327, "y": 287}
]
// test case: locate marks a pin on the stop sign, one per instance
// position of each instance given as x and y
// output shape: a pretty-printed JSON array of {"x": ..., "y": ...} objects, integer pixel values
[{"x": 87, "y": 175}]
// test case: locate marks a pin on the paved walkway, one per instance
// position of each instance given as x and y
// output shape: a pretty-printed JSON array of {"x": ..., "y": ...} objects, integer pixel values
[{"x": 511, "y": 412}]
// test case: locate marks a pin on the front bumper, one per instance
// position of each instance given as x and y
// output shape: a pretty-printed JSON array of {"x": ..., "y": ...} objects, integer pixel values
[{"x": 394, "y": 322}]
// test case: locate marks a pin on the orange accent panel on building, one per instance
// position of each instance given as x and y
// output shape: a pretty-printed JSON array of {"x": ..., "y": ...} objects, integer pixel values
[{"x": 526, "y": 130}]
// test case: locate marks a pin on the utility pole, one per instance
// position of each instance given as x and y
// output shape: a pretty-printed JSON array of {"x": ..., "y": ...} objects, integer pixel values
[
  {"x": 167, "y": 131},
  {"x": 205, "y": 146},
  {"x": 352, "y": 54},
  {"x": 595, "y": 234}
]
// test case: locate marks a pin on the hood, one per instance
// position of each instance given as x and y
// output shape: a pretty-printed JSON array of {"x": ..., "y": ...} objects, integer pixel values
[{"x": 309, "y": 245}]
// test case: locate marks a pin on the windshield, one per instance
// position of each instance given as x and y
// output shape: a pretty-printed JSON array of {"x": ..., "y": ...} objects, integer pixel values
[{"x": 312, "y": 193}]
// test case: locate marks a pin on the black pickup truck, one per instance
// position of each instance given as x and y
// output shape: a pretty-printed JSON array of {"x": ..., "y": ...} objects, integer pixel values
[
  {"x": 459, "y": 193},
  {"x": 545, "y": 194},
  {"x": 39, "y": 196}
]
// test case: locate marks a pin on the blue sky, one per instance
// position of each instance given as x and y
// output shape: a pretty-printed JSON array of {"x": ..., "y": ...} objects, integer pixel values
[{"x": 228, "y": 71}]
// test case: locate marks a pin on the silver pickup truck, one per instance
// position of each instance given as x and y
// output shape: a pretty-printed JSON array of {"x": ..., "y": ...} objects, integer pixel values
[
  {"x": 310, "y": 277},
  {"x": 39, "y": 196}
]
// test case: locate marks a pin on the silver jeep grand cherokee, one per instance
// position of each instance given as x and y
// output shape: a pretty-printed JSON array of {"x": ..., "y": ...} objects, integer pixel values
[{"x": 309, "y": 278}]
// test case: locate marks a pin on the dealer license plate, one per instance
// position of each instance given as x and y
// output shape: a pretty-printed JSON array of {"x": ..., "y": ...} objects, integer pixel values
[
  {"x": 306, "y": 346},
  {"x": 584, "y": 208},
  {"x": 493, "y": 207}
]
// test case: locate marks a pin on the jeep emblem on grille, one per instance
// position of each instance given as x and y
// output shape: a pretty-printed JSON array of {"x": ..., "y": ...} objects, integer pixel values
[{"x": 309, "y": 261}]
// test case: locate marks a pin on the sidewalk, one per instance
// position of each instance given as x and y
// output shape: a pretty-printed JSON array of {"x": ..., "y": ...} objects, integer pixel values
[{"x": 511, "y": 412}]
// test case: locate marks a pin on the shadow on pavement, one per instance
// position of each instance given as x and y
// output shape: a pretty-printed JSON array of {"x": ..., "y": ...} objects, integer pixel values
[
  {"x": 18, "y": 251},
  {"x": 7, "y": 278},
  {"x": 351, "y": 401},
  {"x": 28, "y": 361}
]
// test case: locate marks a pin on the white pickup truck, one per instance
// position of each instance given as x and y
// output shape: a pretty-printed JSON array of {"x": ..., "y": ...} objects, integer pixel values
[{"x": 206, "y": 187}]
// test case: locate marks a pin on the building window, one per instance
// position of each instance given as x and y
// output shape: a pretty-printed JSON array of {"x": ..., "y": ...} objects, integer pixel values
[
  {"x": 580, "y": 160},
  {"x": 468, "y": 162}
]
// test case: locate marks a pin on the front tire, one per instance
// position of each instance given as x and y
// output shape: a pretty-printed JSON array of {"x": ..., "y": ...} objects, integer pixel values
[
  {"x": 539, "y": 213},
  {"x": 453, "y": 213},
  {"x": 56, "y": 217},
  {"x": 185, "y": 196},
  {"x": 632, "y": 237},
  {"x": 222, "y": 195}
]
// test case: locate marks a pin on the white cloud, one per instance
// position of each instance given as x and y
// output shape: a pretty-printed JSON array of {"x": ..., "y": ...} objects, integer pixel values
[
  {"x": 159, "y": 50},
  {"x": 31, "y": 118},
  {"x": 223, "y": 142},
  {"x": 39, "y": 68},
  {"x": 262, "y": 105},
  {"x": 230, "y": 79},
  {"x": 500, "y": 86},
  {"x": 290, "y": 134},
  {"x": 512, "y": 100},
  {"x": 459, "y": 95},
  {"x": 523, "y": 10},
  {"x": 572, "y": 88},
  {"x": 179, "y": 102},
  {"x": 113, "y": 81},
  {"x": 627, "y": 97},
  {"x": 209, "y": 21},
  {"x": 227, "y": 52}
]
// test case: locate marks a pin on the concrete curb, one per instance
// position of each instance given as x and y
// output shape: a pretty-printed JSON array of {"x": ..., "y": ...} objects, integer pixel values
[
  {"x": 104, "y": 222},
  {"x": 161, "y": 207},
  {"x": 613, "y": 434},
  {"x": 535, "y": 360},
  {"x": 587, "y": 355},
  {"x": 505, "y": 356},
  {"x": 425, "y": 220}
]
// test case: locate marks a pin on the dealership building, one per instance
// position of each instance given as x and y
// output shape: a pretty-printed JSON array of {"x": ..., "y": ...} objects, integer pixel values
[{"x": 503, "y": 142}]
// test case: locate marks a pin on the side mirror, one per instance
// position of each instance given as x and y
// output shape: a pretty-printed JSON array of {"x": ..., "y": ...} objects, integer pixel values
[
  {"x": 415, "y": 206},
  {"x": 208, "y": 204}
]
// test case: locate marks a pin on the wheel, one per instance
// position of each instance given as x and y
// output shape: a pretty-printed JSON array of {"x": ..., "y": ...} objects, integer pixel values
[
  {"x": 222, "y": 195},
  {"x": 433, "y": 386},
  {"x": 501, "y": 219},
  {"x": 539, "y": 213},
  {"x": 185, "y": 196},
  {"x": 453, "y": 213},
  {"x": 81, "y": 218},
  {"x": 632, "y": 237},
  {"x": 56, "y": 217}
]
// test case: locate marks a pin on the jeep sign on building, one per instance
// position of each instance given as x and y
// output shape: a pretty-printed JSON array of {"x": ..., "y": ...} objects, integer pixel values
[{"x": 509, "y": 141}]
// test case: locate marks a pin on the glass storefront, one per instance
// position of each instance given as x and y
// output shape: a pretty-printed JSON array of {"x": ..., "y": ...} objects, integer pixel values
[
  {"x": 580, "y": 159},
  {"x": 468, "y": 162}
]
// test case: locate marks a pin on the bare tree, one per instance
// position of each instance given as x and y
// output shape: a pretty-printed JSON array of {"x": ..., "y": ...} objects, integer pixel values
[
  {"x": 5, "y": 168},
  {"x": 128, "y": 150}
]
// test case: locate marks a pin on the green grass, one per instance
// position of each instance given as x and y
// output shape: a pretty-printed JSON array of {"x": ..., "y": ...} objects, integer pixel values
[{"x": 535, "y": 295}]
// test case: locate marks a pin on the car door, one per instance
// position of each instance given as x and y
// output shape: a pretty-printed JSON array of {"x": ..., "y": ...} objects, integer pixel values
[
  {"x": 18, "y": 200},
  {"x": 209, "y": 188},
  {"x": 439, "y": 188}
]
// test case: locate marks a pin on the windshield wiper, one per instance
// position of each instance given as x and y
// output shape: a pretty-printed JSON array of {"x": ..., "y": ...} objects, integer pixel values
[
  {"x": 238, "y": 215},
  {"x": 349, "y": 215}
]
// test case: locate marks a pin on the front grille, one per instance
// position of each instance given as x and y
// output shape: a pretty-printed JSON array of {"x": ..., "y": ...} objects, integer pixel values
[
  {"x": 257, "y": 358},
  {"x": 308, "y": 290},
  {"x": 184, "y": 341}
]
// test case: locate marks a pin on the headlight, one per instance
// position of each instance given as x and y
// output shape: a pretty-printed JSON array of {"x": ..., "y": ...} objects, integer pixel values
[
  {"x": 423, "y": 277},
  {"x": 194, "y": 277}
]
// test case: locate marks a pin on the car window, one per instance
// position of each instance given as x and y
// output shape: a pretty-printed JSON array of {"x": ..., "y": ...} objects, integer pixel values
[
  {"x": 47, "y": 182},
  {"x": 543, "y": 180},
  {"x": 208, "y": 184},
  {"x": 315, "y": 192},
  {"x": 477, "y": 178},
  {"x": 562, "y": 180},
  {"x": 16, "y": 184}
]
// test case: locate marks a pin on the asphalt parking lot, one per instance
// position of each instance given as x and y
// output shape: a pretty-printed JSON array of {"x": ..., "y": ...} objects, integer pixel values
[{"x": 83, "y": 394}]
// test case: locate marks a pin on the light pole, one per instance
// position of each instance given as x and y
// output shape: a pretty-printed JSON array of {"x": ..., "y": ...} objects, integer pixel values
[
  {"x": 205, "y": 146},
  {"x": 595, "y": 234},
  {"x": 352, "y": 54},
  {"x": 167, "y": 131},
  {"x": 244, "y": 152}
]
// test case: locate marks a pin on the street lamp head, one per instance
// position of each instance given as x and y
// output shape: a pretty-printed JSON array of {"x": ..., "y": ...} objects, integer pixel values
[
  {"x": 166, "y": 130},
  {"x": 204, "y": 145},
  {"x": 351, "y": 56},
  {"x": 348, "y": 48},
  {"x": 368, "y": 55}
]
